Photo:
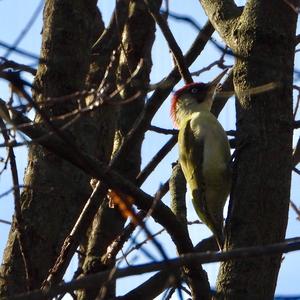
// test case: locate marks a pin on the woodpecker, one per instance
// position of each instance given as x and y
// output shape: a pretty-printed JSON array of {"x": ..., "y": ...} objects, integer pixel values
[{"x": 204, "y": 152}]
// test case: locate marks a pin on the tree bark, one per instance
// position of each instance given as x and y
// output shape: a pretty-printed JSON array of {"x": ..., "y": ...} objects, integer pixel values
[
  {"x": 137, "y": 39},
  {"x": 262, "y": 39},
  {"x": 56, "y": 189}
]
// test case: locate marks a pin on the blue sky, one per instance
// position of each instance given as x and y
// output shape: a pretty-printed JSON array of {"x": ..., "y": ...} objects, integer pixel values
[{"x": 14, "y": 14}]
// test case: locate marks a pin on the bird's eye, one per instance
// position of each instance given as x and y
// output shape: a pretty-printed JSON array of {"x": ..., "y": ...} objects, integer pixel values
[{"x": 194, "y": 90}]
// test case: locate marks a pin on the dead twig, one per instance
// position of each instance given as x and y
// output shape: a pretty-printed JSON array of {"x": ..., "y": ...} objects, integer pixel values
[
  {"x": 176, "y": 51},
  {"x": 157, "y": 158},
  {"x": 20, "y": 224},
  {"x": 296, "y": 209},
  {"x": 163, "y": 130},
  {"x": 6, "y": 64}
]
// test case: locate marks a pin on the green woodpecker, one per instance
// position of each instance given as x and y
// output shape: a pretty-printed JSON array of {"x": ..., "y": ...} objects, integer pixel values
[{"x": 204, "y": 152}]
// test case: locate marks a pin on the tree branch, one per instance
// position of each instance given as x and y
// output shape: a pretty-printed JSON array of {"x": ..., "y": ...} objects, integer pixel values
[
  {"x": 171, "y": 265},
  {"x": 157, "y": 158},
  {"x": 222, "y": 95},
  {"x": 6, "y": 64},
  {"x": 72, "y": 241},
  {"x": 118, "y": 243},
  {"x": 223, "y": 15},
  {"x": 176, "y": 51},
  {"x": 296, "y": 154},
  {"x": 21, "y": 233},
  {"x": 163, "y": 130},
  {"x": 111, "y": 35}
]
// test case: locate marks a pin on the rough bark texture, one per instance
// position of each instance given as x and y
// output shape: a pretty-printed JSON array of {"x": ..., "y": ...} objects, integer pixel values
[
  {"x": 105, "y": 118},
  {"x": 57, "y": 190},
  {"x": 177, "y": 187},
  {"x": 262, "y": 39},
  {"x": 137, "y": 39}
]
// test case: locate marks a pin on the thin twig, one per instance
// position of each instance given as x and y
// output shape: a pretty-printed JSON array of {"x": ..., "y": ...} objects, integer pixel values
[
  {"x": 157, "y": 158},
  {"x": 296, "y": 170},
  {"x": 296, "y": 209},
  {"x": 219, "y": 63},
  {"x": 298, "y": 100},
  {"x": 4, "y": 161},
  {"x": 26, "y": 28},
  {"x": 163, "y": 130},
  {"x": 118, "y": 243},
  {"x": 169, "y": 293},
  {"x": 6, "y": 64},
  {"x": 296, "y": 154},
  {"x": 20, "y": 224},
  {"x": 164, "y": 279},
  {"x": 139, "y": 245},
  {"x": 11, "y": 190},
  {"x": 110, "y": 37},
  {"x": 5, "y": 222},
  {"x": 72, "y": 241},
  {"x": 19, "y": 50},
  {"x": 176, "y": 51},
  {"x": 184, "y": 18}
]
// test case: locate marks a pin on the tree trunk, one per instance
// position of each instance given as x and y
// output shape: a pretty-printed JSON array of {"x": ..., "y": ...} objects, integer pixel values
[
  {"x": 137, "y": 40},
  {"x": 56, "y": 189},
  {"x": 262, "y": 39}
]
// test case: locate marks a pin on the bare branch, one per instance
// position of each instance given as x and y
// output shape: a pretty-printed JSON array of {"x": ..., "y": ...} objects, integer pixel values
[
  {"x": 223, "y": 93},
  {"x": 24, "y": 247},
  {"x": 173, "y": 264},
  {"x": 223, "y": 15},
  {"x": 296, "y": 154},
  {"x": 184, "y": 18},
  {"x": 164, "y": 279},
  {"x": 5, "y": 222},
  {"x": 176, "y": 51},
  {"x": 19, "y": 51},
  {"x": 26, "y": 28},
  {"x": 296, "y": 209},
  {"x": 72, "y": 241},
  {"x": 118, "y": 243},
  {"x": 16, "y": 66},
  {"x": 11, "y": 189},
  {"x": 158, "y": 157},
  {"x": 162, "y": 130},
  {"x": 110, "y": 37},
  {"x": 178, "y": 192}
]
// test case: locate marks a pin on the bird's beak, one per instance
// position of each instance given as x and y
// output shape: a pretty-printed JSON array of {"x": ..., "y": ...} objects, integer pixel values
[{"x": 213, "y": 84}]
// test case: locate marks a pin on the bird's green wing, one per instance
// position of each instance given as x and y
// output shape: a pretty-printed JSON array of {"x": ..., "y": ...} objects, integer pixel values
[{"x": 191, "y": 151}]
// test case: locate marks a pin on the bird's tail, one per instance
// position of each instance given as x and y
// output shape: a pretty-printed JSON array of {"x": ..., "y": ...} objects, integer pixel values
[{"x": 219, "y": 236}]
